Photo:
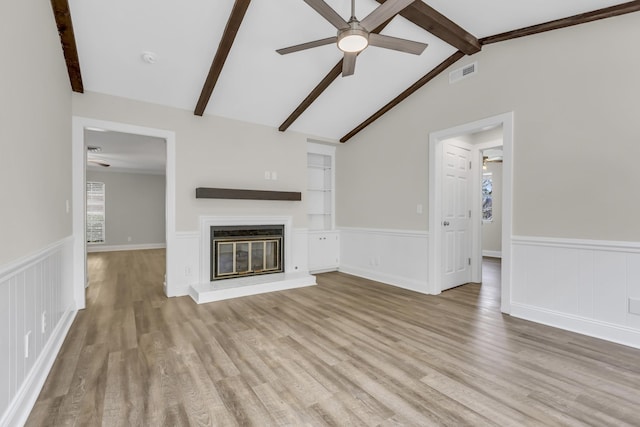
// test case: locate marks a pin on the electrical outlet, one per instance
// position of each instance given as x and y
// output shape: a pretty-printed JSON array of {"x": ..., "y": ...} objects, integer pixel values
[
  {"x": 634, "y": 306},
  {"x": 267, "y": 175},
  {"x": 43, "y": 322},
  {"x": 419, "y": 208},
  {"x": 187, "y": 271},
  {"x": 274, "y": 175},
  {"x": 129, "y": 239},
  {"x": 68, "y": 208}
]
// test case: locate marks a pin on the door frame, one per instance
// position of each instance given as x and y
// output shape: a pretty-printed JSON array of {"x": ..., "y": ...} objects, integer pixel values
[
  {"x": 78, "y": 166},
  {"x": 435, "y": 204}
]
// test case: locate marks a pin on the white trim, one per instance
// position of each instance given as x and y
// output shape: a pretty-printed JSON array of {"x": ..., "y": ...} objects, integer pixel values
[
  {"x": 16, "y": 266},
  {"x": 492, "y": 254},
  {"x": 187, "y": 234},
  {"x": 582, "y": 325},
  {"x": 78, "y": 181},
  {"x": 114, "y": 248},
  {"x": 26, "y": 396},
  {"x": 390, "y": 232},
  {"x": 601, "y": 245},
  {"x": 435, "y": 200}
]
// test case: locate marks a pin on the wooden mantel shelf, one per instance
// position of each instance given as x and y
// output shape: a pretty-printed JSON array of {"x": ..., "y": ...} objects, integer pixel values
[{"x": 230, "y": 193}]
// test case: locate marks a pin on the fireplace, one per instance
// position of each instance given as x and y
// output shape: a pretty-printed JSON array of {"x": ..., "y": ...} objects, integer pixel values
[{"x": 246, "y": 250}]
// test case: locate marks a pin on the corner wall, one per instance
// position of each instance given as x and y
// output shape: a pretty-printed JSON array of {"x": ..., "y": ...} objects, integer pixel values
[
  {"x": 574, "y": 163},
  {"x": 35, "y": 188}
]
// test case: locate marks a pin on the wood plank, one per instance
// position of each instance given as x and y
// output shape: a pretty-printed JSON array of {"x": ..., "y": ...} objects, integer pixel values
[
  {"x": 226, "y": 42},
  {"x": 347, "y": 351},
  {"x": 230, "y": 193},
  {"x": 582, "y": 18},
  {"x": 62, "y": 16},
  {"x": 407, "y": 92},
  {"x": 440, "y": 26}
]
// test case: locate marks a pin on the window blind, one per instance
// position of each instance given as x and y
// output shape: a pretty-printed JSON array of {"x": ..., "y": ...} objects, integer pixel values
[{"x": 95, "y": 212}]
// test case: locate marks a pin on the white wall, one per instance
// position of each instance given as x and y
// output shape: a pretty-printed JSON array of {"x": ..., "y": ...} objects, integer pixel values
[
  {"x": 135, "y": 207},
  {"x": 35, "y": 185},
  {"x": 572, "y": 94},
  {"x": 575, "y": 155},
  {"x": 35, "y": 133}
]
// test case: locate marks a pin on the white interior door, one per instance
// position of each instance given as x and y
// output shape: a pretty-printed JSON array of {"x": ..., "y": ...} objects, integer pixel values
[{"x": 456, "y": 213}]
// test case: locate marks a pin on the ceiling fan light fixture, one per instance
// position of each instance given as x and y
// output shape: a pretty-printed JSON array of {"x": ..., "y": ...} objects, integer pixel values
[{"x": 353, "y": 40}]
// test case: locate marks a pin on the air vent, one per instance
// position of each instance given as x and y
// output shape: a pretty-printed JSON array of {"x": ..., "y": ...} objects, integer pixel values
[{"x": 463, "y": 72}]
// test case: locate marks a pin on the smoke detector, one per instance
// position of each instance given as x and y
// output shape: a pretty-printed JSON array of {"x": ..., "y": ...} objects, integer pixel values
[{"x": 149, "y": 57}]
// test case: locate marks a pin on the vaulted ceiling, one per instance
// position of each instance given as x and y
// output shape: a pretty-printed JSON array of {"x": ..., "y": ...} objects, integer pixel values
[{"x": 219, "y": 57}]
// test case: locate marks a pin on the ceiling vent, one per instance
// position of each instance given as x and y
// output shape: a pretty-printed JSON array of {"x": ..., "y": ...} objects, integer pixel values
[{"x": 463, "y": 72}]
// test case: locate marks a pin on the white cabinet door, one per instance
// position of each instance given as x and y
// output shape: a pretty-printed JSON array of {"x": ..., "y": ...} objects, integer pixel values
[{"x": 324, "y": 251}]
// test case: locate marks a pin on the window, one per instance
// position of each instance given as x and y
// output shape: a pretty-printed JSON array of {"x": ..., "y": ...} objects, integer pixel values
[
  {"x": 95, "y": 212},
  {"x": 487, "y": 197}
]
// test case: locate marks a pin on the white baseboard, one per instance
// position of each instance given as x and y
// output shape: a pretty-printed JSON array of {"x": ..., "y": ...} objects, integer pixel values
[
  {"x": 114, "y": 248},
  {"x": 492, "y": 254},
  {"x": 582, "y": 325},
  {"x": 22, "y": 404},
  {"x": 389, "y": 279}
]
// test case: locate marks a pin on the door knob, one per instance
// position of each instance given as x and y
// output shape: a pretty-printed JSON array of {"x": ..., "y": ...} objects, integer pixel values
[{"x": 446, "y": 223}]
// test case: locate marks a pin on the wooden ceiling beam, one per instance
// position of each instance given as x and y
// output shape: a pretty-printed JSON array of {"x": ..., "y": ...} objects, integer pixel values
[
  {"x": 226, "y": 42},
  {"x": 62, "y": 15},
  {"x": 321, "y": 87},
  {"x": 582, "y": 18},
  {"x": 440, "y": 26},
  {"x": 398, "y": 99}
]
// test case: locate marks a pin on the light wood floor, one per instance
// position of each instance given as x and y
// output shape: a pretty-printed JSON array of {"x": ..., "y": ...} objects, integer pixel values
[{"x": 347, "y": 352}]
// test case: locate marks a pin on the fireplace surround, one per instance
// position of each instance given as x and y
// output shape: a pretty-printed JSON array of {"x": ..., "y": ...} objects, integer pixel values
[
  {"x": 291, "y": 277},
  {"x": 247, "y": 250}
]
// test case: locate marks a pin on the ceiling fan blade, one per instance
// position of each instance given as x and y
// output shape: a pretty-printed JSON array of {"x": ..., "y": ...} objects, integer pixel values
[
  {"x": 402, "y": 45},
  {"x": 307, "y": 45},
  {"x": 349, "y": 63},
  {"x": 99, "y": 162},
  {"x": 328, "y": 13},
  {"x": 384, "y": 12}
]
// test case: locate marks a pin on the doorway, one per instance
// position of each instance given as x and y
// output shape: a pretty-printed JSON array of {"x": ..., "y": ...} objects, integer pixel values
[
  {"x": 439, "y": 251},
  {"x": 80, "y": 125}
]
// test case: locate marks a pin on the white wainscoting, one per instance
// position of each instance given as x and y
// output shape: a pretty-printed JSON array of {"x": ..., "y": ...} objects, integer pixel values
[
  {"x": 113, "y": 248},
  {"x": 37, "y": 284},
  {"x": 580, "y": 285},
  {"x": 186, "y": 269},
  {"x": 395, "y": 257}
]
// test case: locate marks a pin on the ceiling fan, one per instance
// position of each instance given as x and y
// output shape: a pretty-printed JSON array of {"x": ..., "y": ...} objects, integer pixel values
[
  {"x": 354, "y": 36},
  {"x": 92, "y": 150}
]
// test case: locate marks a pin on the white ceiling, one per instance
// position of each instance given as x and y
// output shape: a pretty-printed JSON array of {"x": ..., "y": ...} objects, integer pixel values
[
  {"x": 257, "y": 84},
  {"x": 126, "y": 152}
]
